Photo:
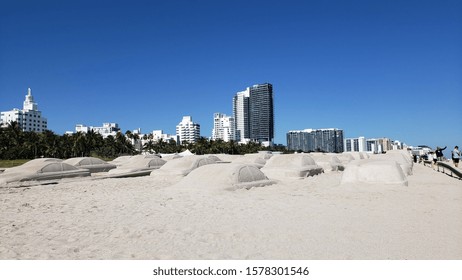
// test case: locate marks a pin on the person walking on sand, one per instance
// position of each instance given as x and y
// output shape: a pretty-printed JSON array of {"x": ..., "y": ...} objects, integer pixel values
[
  {"x": 439, "y": 153},
  {"x": 456, "y": 156}
]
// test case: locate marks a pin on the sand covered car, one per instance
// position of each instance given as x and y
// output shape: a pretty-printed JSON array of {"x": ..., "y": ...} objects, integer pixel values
[
  {"x": 258, "y": 159},
  {"x": 401, "y": 157},
  {"x": 228, "y": 176},
  {"x": 44, "y": 169},
  {"x": 91, "y": 163},
  {"x": 139, "y": 165},
  {"x": 328, "y": 161},
  {"x": 374, "y": 172},
  {"x": 183, "y": 166},
  {"x": 291, "y": 166}
]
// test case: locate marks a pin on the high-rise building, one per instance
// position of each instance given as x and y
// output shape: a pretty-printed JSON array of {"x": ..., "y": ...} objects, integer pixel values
[
  {"x": 188, "y": 131},
  {"x": 241, "y": 115},
  {"x": 253, "y": 111},
  {"x": 223, "y": 127},
  {"x": 29, "y": 118},
  {"x": 355, "y": 144},
  {"x": 320, "y": 140}
]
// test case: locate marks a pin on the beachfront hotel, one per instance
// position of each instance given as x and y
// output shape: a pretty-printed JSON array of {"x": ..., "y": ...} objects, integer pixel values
[
  {"x": 328, "y": 140},
  {"x": 223, "y": 127},
  {"x": 187, "y": 130},
  {"x": 253, "y": 112},
  {"x": 108, "y": 129},
  {"x": 29, "y": 118}
]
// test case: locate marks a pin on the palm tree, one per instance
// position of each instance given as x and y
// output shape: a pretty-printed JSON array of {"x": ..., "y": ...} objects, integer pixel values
[
  {"x": 110, "y": 147},
  {"x": 15, "y": 133},
  {"x": 50, "y": 143},
  {"x": 32, "y": 145},
  {"x": 149, "y": 146},
  {"x": 14, "y": 140},
  {"x": 137, "y": 142},
  {"x": 79, "y": 144},
  {"x": 125, "y": 147}
]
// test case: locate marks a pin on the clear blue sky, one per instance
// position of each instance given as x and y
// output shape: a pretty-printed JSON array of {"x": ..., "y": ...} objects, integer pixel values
[{"x": 372, "y": 68}]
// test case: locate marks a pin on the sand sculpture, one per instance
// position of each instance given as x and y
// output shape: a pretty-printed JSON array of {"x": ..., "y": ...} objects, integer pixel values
[
  {"x": 291, "y": 165},
  {"x": 43, "y": 169},
  {"x": 91, "y": 163},
  {"x": 183, "y": 166},
  {"x": 373, "y": 171},
  {"x": 227, "y": 176}
]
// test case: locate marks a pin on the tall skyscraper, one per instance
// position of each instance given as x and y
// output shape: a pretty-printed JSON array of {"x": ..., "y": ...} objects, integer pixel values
[
  {"x": 188, "y": 131},
  {"x": 253, "y": 111},
  {"x": 29, "y": 118},
  {"x": 223, "y": 127},
  {"x": 241, "y": 115}
]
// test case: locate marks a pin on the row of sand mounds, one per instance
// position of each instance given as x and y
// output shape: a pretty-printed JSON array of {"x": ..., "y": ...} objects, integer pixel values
[{"x": 237, "y": 171}]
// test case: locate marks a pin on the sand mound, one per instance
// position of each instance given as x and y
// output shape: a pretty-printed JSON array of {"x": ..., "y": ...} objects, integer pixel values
[
  {"x": 329, "y": 162},
  {"x": 168, "y": 157},
  {"x": 345, "y": 157},
  {"x": 183, "y": 166},
  {"x": 120, "y": 160},
  {"x": 370, "y": 171},
  {"x": 259, "y": 160},
  {"x": 91, "y": 163},
  {"x": 228, "y": 158},
  {"x": 136, "y": 164},
  {"x": 401, "y": 157},
  {"x": 229, "y": 176},
  {"x": 293, "y": 165},
  {"x": 357, "y": 155},
  {"x": 43, "y": 169}
]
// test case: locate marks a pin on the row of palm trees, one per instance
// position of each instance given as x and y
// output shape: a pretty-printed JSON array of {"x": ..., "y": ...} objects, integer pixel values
[{"x": 18, "y": 144}]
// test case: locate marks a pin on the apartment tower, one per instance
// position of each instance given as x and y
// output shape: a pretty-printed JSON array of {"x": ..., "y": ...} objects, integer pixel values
[
  {"x": 223, "y": 127},
  {"x": 187, "y": 130},
  {"x": 254, "y": 114}
]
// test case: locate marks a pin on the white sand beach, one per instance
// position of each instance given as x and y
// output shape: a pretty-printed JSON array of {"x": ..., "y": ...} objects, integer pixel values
[{"x": 311, "y": 218}]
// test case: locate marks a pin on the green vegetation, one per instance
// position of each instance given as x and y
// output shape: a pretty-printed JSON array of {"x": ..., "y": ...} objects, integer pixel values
[
  {"x": 16, "y": 144},
  {"x": 12, "y": 163}
]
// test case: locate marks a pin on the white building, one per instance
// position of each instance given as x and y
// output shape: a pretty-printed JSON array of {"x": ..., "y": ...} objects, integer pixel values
[
  {"x": 355, "y": 144},
  {"x": 378, "y": 145},
  {"x": 29, "y": 118},
  {"x": 188, "y": 131},
  {"x": 157, "y": 135},
  {"x": 241, "y": 115},
  {"x": 371, "y": 145},
  {"x": 105, "y": 130},
  {"x": 223, "y": 127}
]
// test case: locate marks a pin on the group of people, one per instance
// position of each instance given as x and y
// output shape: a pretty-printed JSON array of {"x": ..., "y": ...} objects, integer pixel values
[{"x": 437, "y": 155}]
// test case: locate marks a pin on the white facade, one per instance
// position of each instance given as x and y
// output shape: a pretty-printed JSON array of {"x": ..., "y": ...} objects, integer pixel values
[
  {"x": 157, "y": 135},
  {"x": 105, "y": 130},
  {"x": 378, "y": 145},
  {"x": 223, "y": 127},
  {"x": 241, "y": 115},
  {"x": 355, "y": 144},
  {"x": 29, "y": 118},
  {"x": 371, "y": 145},
  {"x": 397, "y": 145},
  {"x": 188, "y": 131}
]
